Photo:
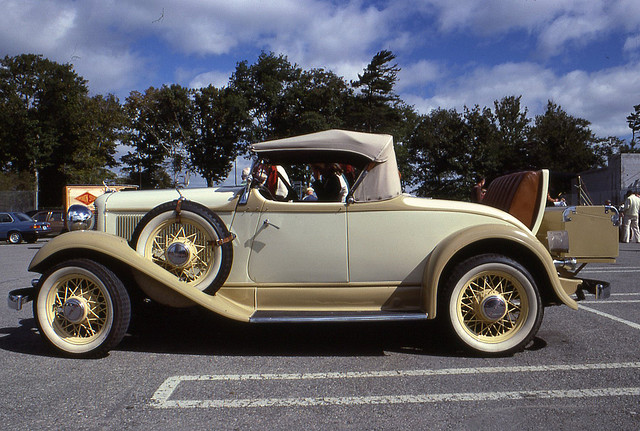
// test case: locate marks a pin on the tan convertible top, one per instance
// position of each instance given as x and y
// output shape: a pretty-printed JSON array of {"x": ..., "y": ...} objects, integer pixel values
[
  {"x": 369, "y": 145},
  {"x": 381, "y": 183}
]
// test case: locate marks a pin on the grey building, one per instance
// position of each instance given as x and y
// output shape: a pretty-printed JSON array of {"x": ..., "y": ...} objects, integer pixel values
[{"x": 612, "y": 182}]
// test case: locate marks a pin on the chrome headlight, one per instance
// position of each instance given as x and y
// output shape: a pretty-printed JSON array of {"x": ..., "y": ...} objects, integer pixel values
[{"x": 79, "y": 217}]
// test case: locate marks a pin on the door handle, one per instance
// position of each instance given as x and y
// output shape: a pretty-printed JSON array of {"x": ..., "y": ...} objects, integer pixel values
[{"x": 266, "y": 223}]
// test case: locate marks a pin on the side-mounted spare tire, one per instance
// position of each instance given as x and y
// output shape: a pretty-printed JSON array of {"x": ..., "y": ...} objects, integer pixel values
[{"x": 188, "y": 240}]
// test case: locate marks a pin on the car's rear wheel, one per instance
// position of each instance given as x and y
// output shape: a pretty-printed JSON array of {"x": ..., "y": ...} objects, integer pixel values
[
  {"x": 14, "y": 238},
  {"x": 491, "y": 304},
  {"x": 82, "y": 308},
  {"x": 188, "y": 240}
]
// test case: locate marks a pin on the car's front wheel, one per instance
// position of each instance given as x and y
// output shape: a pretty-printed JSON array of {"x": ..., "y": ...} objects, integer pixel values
[
  {"x": 492, "y": 305},
  {"x": 82, "y": 308}
]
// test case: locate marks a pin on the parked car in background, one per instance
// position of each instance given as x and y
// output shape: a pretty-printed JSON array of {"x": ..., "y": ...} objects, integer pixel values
[
  {"x": 54, "y": 217},
  {"x": 16, "y": 226}
]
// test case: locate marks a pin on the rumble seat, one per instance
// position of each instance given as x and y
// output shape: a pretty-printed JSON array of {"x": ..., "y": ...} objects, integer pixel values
[{"x": 520, "y": 194}]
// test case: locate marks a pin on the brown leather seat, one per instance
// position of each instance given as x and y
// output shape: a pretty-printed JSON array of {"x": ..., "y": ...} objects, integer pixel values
[{"x": 518, "y": 194}]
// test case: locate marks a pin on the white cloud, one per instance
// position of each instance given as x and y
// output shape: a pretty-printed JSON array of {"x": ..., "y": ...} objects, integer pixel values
[
  {"x": 119, "y": 46},
  {"x": 33, "y": 26},
  {"x": 313, "y": 33},
  {"x": 604, "y": 98},
  {"x": 420, "y": 73},
  {"x": 553, "y": 24},
  {"x": 108, "y": 72},
  {"x": 217, "y": 79},
  {"x": 632, "y": 44}
]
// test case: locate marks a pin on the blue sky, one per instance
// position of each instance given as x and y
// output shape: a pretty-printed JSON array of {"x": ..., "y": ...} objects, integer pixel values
[{"x": 582, "y": 54}]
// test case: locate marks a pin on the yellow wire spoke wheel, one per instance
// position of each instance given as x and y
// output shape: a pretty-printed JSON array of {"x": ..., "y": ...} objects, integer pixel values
[
  {"x": 490, "y": 306},
  {"x": 493, "y": 304},
  {"x": 183, "y": 239},
  {"x": 82, "y": 308},
  {"x": 184, "y": 248}
]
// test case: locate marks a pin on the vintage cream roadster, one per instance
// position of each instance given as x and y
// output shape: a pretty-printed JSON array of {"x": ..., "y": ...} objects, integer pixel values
[{"x": 485, "y": 271}]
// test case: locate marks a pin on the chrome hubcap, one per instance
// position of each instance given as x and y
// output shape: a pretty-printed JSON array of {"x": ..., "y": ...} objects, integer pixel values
[
  {"x": 178, "y": 254},
  {"x": 493, "y": 307},
  {"x": 74, "y": 310}
]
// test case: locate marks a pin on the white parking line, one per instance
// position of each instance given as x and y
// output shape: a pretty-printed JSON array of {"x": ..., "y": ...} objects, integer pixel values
[
  {"x": 610, "y": 316},
  {"x": 161, "y": 398},
  {"x": 402, "y": 399},
  {"x": 612, "y": 269},
  {"x": 612, "y": 301}
]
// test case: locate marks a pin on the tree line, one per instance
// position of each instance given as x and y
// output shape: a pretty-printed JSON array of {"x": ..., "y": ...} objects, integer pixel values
[{"x": 53, "y": 132}]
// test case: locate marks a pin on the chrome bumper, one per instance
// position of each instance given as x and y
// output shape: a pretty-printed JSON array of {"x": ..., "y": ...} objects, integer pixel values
[
  {"x": 601, "y": 289},
  {"x": 17, "y": 298}
]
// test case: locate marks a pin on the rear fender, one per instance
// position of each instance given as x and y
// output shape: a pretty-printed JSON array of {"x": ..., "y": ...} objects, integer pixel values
[
  {"x": 114, "y": 248},
  {"x": 454, "y": 243}
]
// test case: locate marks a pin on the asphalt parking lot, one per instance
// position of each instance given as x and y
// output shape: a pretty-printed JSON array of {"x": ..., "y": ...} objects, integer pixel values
[{"x": 182, "y": 369}]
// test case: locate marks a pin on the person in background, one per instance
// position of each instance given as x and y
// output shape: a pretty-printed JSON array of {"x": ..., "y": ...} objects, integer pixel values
[
  {"x": 478, "y": 191},
  {"x": 631, "y": 207},
  {"x": 329, "y": 184},
  {"x": 310, "y": 195},
  {"x": 557, "y": 202},
  {"x": 273, "y": 177},
  {"x": 245, "y": 174}
]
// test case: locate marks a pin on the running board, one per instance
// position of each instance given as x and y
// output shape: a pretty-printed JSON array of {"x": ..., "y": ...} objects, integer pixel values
[{"x": 334, "y": 316}]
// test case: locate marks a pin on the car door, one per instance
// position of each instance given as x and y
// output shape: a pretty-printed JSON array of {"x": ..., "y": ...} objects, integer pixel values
[
  {"x": 300, "y": 243},
  {"x": 5, "y": 224},
  {"x": 388, "y": 244}
]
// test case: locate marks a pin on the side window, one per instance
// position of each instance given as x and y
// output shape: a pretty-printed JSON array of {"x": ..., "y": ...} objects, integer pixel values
[
  {"x": 5, "y": 218},
  {"x": 56, "y": 216},
  {"x": 310, "y": 182}
]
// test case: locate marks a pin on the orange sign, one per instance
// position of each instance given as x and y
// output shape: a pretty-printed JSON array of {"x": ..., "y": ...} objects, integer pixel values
[{"x": 86, "y": 198}]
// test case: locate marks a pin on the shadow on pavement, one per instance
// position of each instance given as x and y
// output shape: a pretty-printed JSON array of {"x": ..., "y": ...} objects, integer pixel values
[{"x": 195, "y": 331}]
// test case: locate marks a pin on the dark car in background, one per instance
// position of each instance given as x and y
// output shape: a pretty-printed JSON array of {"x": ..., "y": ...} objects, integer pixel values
[
  {"x": 54, "y": 217},
  {"x": 16, "y": 226}
]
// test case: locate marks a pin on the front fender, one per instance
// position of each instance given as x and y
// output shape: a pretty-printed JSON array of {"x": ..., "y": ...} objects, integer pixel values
[
  {"x": 115, "y": 247},
  {"x": 457, "y": 241}
]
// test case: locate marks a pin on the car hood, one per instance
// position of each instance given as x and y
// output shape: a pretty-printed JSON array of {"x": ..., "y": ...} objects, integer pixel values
[{"x": 145, "y": 200}]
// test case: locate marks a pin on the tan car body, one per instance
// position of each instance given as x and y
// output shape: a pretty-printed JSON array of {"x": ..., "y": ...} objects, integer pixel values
[
  {"x": 375, "y": 254},
  {"x": 415, "y": 273}
]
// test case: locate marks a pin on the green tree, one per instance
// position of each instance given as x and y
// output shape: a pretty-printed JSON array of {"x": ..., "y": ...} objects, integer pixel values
[
  {"x": 159, "y": 129},
  {"x": 376, "y": 107},
  {"x": 510, "y": 152},
  {"x": 633, "y": 120},
  {"x": 220, "y": 124},
  {"x": 45, "y": 125},
  {"x": 264, "y": 85},
  {"x": 315, "y": 101},
  {"x": 561, "y": 142},
  {"x": 94, "y": 151},
  {"x": 145, "y": 163},
  {"x": 484, "y": 146},
  {"x": 439, "y": 150}
]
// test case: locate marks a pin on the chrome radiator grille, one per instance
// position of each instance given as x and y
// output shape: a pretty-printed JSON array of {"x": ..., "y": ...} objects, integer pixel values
[{"x": 126, "y": 224}]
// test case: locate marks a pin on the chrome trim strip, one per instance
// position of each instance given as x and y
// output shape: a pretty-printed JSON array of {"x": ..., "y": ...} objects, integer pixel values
[{"x": 334, "y": 316}]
